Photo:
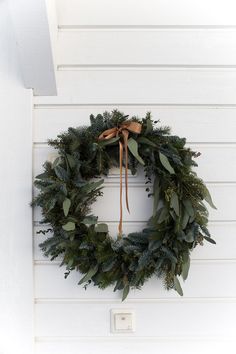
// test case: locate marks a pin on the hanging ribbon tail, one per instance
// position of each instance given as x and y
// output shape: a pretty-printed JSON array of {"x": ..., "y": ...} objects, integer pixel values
[
  {"x": 125, "y": 134},
  {"x": 121, "y": 211},
  {"x": 122, "y": 131}
]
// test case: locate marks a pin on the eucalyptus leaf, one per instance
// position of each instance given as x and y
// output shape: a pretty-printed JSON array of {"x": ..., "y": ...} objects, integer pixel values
[
  {"x": 163, "y": 215},
  {"x": 189, "y": 237},
  {"x": 185, "y": 219},
  {"x": 185, "y": 268},
  {"x": 51, "y": 204},
  {"x": 125, "y": 292},
  {"x": 89, "y": 275},
  {"x": 144, "y": 140},
  {"x": 165, "y": 162},
  {"x": 69, "y": 226},
  {"x": 109, "y": 141},
  {"x": 177, "y": 286},
  {"x": 133, "y": 148},
  {"x": 44, "y": 175},
  {"x": 188, "y": 206},
  {"x": 156, "y": 193},
  {"x": 90, "y": 220},
  {"x": 71, "y": 161},
  {"x": 208, "y": 198},
  {"x": 66, "y": 206},
  {"x": 174, "y": 203},
  {"x": 209, "y": 239},
  {"x": 101, "y": 228},
  {"x": 92, "y": 186},
  {"x": 56, "y": 162},
  {"x": 61, "y": 173}
]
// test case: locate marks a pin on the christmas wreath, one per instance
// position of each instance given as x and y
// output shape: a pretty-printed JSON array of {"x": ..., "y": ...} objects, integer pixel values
[{"x": 71, "y": 184}]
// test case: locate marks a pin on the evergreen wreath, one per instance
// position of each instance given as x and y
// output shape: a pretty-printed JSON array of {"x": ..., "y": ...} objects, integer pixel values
[{"x": 70, "y": 185}]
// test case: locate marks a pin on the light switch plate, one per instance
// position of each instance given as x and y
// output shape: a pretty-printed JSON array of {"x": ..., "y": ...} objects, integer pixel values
[{"x": 122, "y": 321}]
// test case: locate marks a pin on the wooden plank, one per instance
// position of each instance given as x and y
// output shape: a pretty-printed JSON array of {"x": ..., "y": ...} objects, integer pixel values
[
  {"x": 164, "y": 47},
  {"x": 126, "y": 345},
  {"x": 223, "y": 196},
  {"x": 146, "y": 13},
  {"x": 223, "y": 233},
  {"x": 207, "y": 278},
  {"x": 170, "y": 86},
  {"x": 216, "y": 318},
  {"x": 197, "y": 124}
]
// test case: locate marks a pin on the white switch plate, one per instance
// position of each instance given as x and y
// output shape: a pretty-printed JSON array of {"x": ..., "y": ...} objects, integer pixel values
[{"x": 122, "y": 321}]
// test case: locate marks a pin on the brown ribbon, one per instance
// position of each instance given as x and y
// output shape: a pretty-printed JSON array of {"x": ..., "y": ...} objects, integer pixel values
[{"x": 123, "y": 132}]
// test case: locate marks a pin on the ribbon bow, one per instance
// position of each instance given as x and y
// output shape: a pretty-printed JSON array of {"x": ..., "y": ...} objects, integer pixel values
[{"x": 123, "y": 132}]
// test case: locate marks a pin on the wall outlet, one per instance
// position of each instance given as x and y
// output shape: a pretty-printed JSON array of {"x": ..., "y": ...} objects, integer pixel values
[{"x": 122, "y": 321}]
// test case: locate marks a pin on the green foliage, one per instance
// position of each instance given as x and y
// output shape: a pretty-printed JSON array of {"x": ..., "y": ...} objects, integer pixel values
[{"x": 71, "y": 184}]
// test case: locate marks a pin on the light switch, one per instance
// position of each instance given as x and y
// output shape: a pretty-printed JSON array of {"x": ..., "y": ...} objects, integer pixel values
[{"x": 122, "y": 320}]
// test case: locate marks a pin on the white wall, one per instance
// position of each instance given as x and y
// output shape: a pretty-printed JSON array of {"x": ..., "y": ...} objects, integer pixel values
[
  {"x": 178, "y": 60},
  {"x": 16, "y": 275}
]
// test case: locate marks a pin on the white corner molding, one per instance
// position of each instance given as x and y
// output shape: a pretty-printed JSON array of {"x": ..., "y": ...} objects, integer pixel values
[{"x": 35, "y": 30}]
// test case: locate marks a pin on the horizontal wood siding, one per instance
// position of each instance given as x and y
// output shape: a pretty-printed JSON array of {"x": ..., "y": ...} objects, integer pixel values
[{"x": 177, "y": 60}]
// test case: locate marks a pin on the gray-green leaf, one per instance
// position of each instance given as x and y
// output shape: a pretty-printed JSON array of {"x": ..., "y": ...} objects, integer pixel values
[
  {"x": 89, "y": 275},
  {"x": 71, "y": 160},
  {"x": 61, "y": 173},
  {"x": 69, "y": 226},
  {"x": 133, "y": 147},
  {"x": 188, "y": 206},
  {"x": 208, "y": 198},
  {"x": 125, "y": 292},
  {"x": 174, "y": 203},
  {"x": 177, "y": 286},
  {"x": 109, "y": 141},
  {"x": 185, "y": 268},
  {"x": 185, "y": 219},
  {"x": 101, "y": 228},
  {"x": 156, "y": 192},
  {"x": 209, "y": 239},
  {"x": 163, "y": 215},
  {"x": 66, "y": 206},
  {"x": 144, "y": 140},
  {"x": 165, "y": 162},
  {"x": 90, "y": 220},
  {"x": 189, "y": 237}
]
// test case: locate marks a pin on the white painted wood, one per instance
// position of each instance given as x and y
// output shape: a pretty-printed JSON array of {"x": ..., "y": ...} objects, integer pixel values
[
  {"x": 170, "y": 86},
  {"x": 196, "y": 123},
  {"x": 141, "y": 56},
  {"x": 146, "y": 13},
  {"x": 31, "y": 24},
  {"x": 16, "y": 263},
  {"x": 208, "y": 166},
  {"x": 206, "y": 279},
  {"x": 223, "y": 233},
  {"x": 198, "y": 319},
  {"x": 162, "y": 47},
  {"x": 134, "y": 345}
]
